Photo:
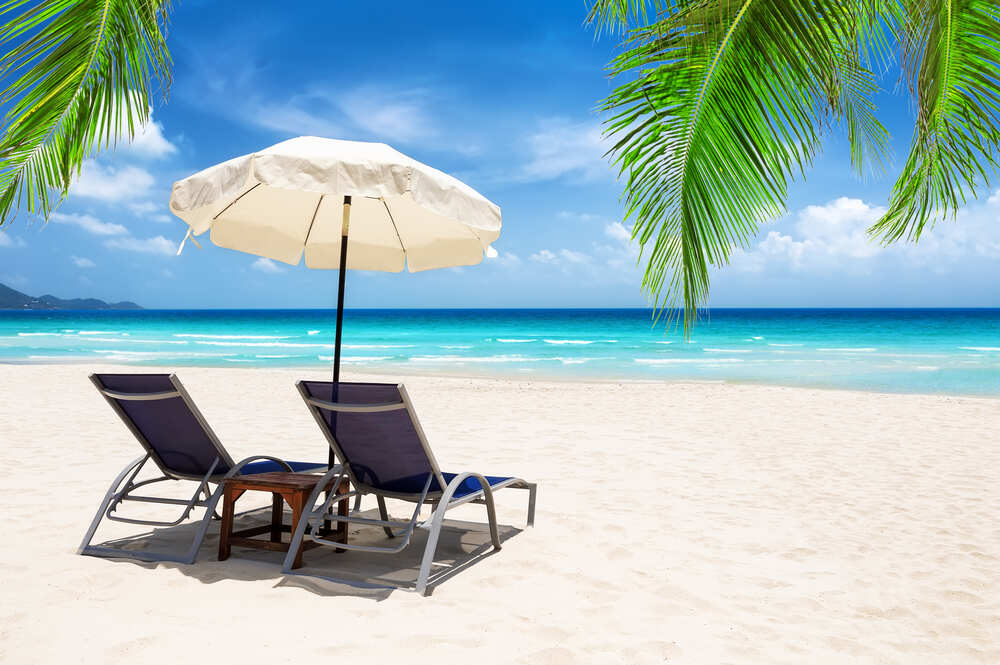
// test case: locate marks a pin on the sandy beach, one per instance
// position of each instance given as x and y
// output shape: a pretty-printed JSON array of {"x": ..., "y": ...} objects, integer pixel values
[{"x": 680, "y": 523}]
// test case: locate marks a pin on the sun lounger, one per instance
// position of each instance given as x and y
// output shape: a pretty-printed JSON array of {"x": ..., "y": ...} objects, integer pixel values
[
  {"x": 374, "y": 431},
  {"x": 178, "y": 440}
]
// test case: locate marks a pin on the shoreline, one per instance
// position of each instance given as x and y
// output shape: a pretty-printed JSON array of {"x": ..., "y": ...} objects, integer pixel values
[{"x": 516, "y": 378}]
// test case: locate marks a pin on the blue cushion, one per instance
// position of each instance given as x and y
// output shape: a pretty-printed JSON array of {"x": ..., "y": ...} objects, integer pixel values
[
  {"x": 265, "y": 465},
  {"x": 471, "y": 485}
]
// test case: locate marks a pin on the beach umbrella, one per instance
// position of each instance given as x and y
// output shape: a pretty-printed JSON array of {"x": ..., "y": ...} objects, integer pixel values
[{"x": 340, "y": 204}]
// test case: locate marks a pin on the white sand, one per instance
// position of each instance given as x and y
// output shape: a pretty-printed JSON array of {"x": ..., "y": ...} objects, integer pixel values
[{"x": 685, "y": 523}]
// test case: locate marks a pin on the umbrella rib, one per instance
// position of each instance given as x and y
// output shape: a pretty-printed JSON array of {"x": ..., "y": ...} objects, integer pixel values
[
  {"x": 233, "y": 202},
  {"x": 396, "y": 230},
  {"x": 313, "y": 221}
]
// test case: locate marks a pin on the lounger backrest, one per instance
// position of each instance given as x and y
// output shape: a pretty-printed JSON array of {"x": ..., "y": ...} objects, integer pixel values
[
  {"x": 158, "y": 411},
  {"x": 372, "y": 427}
]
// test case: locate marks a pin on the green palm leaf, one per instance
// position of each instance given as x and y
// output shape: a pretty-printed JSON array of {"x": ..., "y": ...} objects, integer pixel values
[
  {"x": 951, "y": 58},
  {"x": 727, "y": 101},
  {"x": 76, "y": 76}
]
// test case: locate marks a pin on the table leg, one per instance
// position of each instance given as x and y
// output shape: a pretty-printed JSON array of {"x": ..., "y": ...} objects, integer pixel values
[
  {"x": 295, "y": 500},
  {"x": 343, "y": 510},
  {"x": 230, "y": 496},
  {"x": 277, "y": 508}
]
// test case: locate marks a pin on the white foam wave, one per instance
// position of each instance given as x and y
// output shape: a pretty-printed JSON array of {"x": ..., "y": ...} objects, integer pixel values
[
  {"x": 312, "y": 332},
  {"x": 568, "y": 341},
  {"x": 455, "y": 346},
  {"x": 201, "y": 336},
  {"x": 515, "y": 341},
  {"x": 716, "y": 350},
  {"x": 980, "y": 348},
  {"x": 851, "y": 349},
  {"x": 678, "y": 361},
  {"x": 137, "y": 341},
  {"x": 98, "y": 332},
  {"x": 377, "y": 346},
  {"x": 289, "y": 345},
  {"x": 776, "y": 344},
  {"x": 39, "y": 334},
  {"x": 662, "y": 342},
  {"x": 473, "y": 359}
]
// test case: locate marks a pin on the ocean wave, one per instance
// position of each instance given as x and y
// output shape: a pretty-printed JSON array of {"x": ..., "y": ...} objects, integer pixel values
[
  {"x": 678, "y": 361},
  {"x": 377, "y": 346},
  {"x": 455, "y": 346},
  {"x": 137, "y": 341},
  {"x": 718, "y": 350},
  {"x": 776, "y": 344},
  {"x": 275, "y": 355},
  {"x": 162, "y": 354},
  {"x": 312, "y": 332},
  {"x": 980, "y": 348},
  {"x": 473, "y": 359},
  {"x": 201, "y": 336},
  {"x": 364, "y": 359},
  {"x": 288, "y": 345},
  {"x": 662, "y": 342},
  {"x": 851, "y": 349},
  {"x": 40, "y": 334},
  {"x": 515, "y": 341},
  {"x": 581, "y": 341},
  {"x": 98, "y": 332}
]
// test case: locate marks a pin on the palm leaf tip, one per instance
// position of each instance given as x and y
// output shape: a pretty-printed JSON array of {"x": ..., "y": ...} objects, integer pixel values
[
  {"x": 77, "y": 74},
  {"x": 723, "y": 102}
]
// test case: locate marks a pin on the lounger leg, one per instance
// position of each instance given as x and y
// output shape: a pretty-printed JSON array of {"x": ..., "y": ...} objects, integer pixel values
[
  {"x": 532, "y": 489},
  {"x": 384, "y": 514},
  {"x": 203, "y": 525},
  {"x": 108, "y": 497},
  {"x": 438, "y": 519}
]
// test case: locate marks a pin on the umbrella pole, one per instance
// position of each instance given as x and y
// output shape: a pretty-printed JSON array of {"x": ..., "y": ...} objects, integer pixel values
[{"x": 340, "y": 304}]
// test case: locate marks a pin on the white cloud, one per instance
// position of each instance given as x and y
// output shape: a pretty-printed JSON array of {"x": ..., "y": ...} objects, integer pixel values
[
  {"x": 833, "y": 238},
  {"x": 89, "y": 224},
  {"x": 563, "y": 148},
  {"x": 397, "y": 115},
  {"x": 149, "y": 141},
  {"x": 543, "y": 256},
  {"x": 995, "y": 198},
  {"x": 7, "y": 240},
  {"x": 506, "y": 259},
  {"x": 266, "y": 266},
  {"x": 151, "y": 211},
  {"x": 82, "y": 262},
  {"x": 561, "y": 257},
  {"x": 155, "y": 245},
  {"x": 108, "y": 183}
]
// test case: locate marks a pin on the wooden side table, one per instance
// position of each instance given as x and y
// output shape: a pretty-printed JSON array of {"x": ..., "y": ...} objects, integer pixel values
[{"x": 285, "y": 487}]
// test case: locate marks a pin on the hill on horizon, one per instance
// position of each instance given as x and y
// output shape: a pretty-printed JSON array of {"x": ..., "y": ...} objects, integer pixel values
[{"x": 13, "y": 299}]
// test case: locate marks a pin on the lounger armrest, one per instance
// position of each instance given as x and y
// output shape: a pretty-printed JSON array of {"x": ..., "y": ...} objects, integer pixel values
[{"x": 235, "y": 471}]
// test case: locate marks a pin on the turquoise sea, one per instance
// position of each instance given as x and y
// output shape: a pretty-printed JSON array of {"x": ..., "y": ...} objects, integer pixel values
[{"x": 899, "y": 350}]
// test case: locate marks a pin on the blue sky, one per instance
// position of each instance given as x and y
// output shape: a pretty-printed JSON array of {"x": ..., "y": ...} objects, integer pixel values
[{"x": 502, "y": 96}]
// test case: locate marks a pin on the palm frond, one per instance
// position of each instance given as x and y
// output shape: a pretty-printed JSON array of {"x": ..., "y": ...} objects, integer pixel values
[
  {"x": 726, "y": 101},
  {"x": 951, "y": 58},
  {"x": 609, "y": 15},
  {"x": 76, "y": 76}
]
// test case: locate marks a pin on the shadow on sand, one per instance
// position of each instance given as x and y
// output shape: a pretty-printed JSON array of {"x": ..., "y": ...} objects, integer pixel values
[{"x": 324, "y": 571}]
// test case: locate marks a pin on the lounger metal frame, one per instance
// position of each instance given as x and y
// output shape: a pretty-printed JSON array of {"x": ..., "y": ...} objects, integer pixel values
[
  {"x": 125, "y": 483},
  {"x": 442, "y": 499}
]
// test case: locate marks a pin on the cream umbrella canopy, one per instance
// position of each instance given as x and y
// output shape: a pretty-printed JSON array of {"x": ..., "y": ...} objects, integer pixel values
[{"x": 342, "y": 204}]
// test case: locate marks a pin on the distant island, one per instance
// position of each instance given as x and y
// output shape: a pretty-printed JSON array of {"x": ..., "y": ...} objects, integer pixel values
[{"x": 11, "y": 299}]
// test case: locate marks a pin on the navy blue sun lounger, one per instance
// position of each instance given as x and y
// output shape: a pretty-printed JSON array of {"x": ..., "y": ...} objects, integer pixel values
[
  {"x": 374, "y": 431},
  {"x": 176, "y": 438}
]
